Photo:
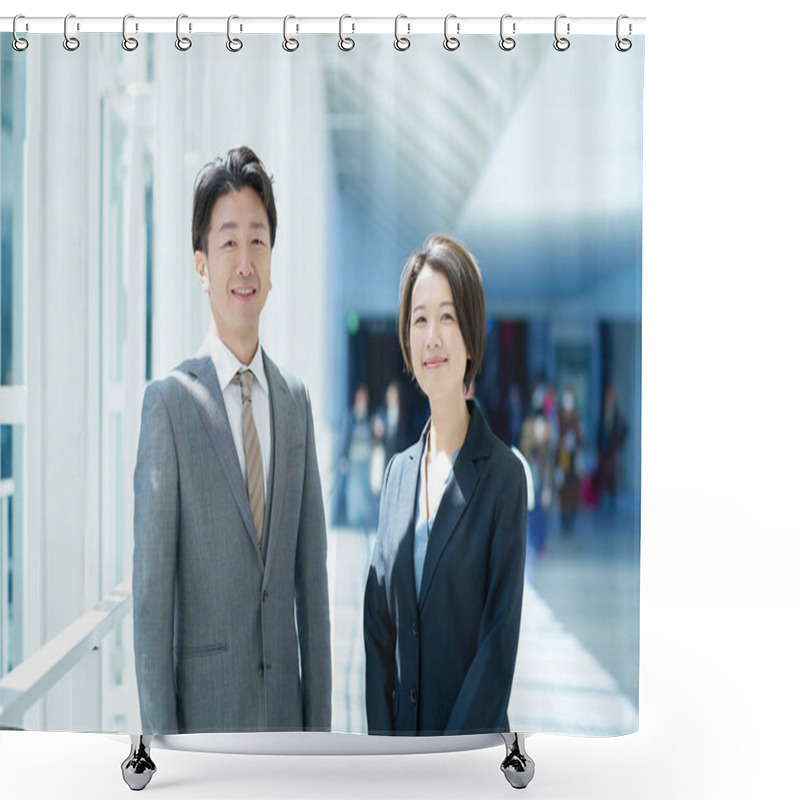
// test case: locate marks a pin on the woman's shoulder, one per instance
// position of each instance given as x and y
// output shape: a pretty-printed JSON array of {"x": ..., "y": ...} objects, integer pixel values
[
  {"x": 402, "y": 460},
  {"x": 485, "y": 441},
  {"x": 503, "y": 460}
]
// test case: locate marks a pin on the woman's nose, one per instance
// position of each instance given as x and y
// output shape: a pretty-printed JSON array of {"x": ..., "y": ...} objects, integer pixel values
[{"x": 434, "y": 335}]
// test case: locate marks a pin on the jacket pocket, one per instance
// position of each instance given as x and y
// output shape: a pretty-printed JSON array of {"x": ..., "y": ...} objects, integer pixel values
[{"x": 193, "y": 651}]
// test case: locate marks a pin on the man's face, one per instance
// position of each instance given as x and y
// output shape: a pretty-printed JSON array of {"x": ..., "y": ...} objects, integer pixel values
[{"x": 235, "y": 269}]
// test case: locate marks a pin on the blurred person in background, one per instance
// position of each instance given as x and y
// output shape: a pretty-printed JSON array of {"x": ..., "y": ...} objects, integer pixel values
[
  {"x": 515, "y": 413},
  {"x": 354, "y": 461},
  {"x": 391, "y": 423},
  {"x": 611, "y": 434},
  {"x": 568, "y": 466},
  {"x": 535, "y": 446},
  {"x": 443, "y": 598}
]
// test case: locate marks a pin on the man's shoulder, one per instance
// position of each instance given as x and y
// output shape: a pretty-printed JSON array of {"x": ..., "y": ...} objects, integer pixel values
[
  {"x": 180, "y": 378},
  {"x": 281, "y": 379}
]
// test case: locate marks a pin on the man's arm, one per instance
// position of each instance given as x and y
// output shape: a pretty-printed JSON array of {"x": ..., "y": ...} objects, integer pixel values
[
  {"x": 155, "y": 532},
  {"x": 380, "y": 636},
  {"x": 311, "y": 588}
]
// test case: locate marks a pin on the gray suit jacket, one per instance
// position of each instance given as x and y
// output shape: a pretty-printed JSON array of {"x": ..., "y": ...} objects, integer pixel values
[{"x": 224, "y": 639}]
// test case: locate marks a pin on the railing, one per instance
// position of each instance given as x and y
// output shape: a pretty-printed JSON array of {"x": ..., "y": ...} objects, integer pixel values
[
  {"x": 30, "y": 681},
  {"x": 6, "y": 493},
  {"x": 27, "y": 683}
]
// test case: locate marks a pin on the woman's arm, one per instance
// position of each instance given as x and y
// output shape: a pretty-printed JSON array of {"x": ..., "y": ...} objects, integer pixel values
[{"x": 482, "y": 702}]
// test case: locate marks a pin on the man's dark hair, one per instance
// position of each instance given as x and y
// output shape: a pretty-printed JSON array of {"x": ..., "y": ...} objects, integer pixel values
[{"x": 239, "y": 168}]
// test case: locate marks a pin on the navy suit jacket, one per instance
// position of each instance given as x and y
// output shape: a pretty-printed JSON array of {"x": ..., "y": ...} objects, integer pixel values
[{"x": 445, "y": 664}]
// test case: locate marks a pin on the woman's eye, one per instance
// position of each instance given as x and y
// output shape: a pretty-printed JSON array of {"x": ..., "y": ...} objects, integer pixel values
[{"x": 419, "y": 320}]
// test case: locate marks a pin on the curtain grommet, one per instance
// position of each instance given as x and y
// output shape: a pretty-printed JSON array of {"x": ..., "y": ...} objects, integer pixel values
[
  {"x": 233, "y": 44},
  {"x": 401, "y": 43},
  {"x": 623, "y": 45},
  {"x": 507, "y": 43},
  {"x": 129, "y": 43},
  {"x": 451, "y": 43},
  {"x": 561, "y": 43},
  {"x": 71, "y": 43},
  {"x": 19, "y": 43},
  {"x": 346, "y": 43},
  {"x": 289, "y": 44},
  {"x": 183, "y": 43}
]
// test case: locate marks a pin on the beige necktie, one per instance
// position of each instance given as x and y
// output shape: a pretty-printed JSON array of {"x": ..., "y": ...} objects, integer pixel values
[{"x": 254, "y": 468}]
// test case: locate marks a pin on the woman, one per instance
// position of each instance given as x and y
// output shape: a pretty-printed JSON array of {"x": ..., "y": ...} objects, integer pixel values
[{"x": 444, "y": 592}]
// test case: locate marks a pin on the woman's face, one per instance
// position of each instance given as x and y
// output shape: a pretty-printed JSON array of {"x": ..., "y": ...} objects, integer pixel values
[{"x": 438, "y": 353}]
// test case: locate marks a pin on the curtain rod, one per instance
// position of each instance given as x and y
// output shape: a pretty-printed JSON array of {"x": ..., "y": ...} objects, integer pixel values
[{"x": 349, "y": 25}]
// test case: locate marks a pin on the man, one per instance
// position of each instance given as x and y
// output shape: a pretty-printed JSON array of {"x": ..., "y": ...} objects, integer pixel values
[{"x": 230, "y": 589}]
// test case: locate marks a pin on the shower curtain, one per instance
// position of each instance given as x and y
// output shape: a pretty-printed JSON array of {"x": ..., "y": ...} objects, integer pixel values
[{"x": 528, "y": 156}]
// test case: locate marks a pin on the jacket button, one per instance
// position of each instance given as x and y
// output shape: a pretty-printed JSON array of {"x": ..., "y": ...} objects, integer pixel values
[
  {"x": 413, "y": 695},
  {"x": 415, "y": 628},
  {"x": 264, "y": 596},
  {"x": 261, "y": 670}
]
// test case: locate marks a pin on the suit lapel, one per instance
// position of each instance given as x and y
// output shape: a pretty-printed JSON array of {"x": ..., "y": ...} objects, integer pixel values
[
  {"x": 211, "y": 406},
  {"x": 281, "y": 413},
  {"x": 404, "y": 524},
  {"x": 456, "y": 497}
]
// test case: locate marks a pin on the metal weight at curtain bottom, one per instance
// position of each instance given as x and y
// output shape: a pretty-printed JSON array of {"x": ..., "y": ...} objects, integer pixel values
[
  {"x": 517, "y": 766},
  {"x": 138, "y": 768}
]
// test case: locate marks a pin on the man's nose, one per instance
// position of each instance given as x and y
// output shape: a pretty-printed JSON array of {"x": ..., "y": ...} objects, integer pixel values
[{"x": 244, "y": 265}]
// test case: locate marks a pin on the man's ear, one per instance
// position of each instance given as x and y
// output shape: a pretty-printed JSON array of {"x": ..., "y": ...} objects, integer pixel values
[{"x": 201, "y": 268}]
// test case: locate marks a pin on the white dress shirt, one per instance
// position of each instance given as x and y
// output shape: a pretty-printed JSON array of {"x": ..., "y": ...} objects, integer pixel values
[
  {"x": 227, "y": 365},
  {"x": 432, "y": 492}
]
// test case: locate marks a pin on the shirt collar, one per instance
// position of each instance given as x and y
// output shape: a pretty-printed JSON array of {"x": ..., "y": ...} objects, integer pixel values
[{"x": 227, "y": 365}]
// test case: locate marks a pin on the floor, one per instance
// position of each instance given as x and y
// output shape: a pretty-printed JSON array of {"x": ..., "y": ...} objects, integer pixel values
[{"x": 577, "y": 665}]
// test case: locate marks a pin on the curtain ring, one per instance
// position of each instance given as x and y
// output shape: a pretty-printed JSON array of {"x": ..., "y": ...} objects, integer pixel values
[
  {"x": 401, "y": 42},
  {"x": 19, "y": 44},
  {"x": 451, "y": 42},
  {"x": 183, "y": 43},
  {"x": 507, "y": 42},
  {"x": 561, "y": 43},
  {"x": 128, "y": 42},
  {"x": 345, "y": 42},
  {"x": 289, "y": 45},
  {"x": 70, "y": 42},
  {"x": 233, "y": 45},
  {"x": 623, "y": 45}
]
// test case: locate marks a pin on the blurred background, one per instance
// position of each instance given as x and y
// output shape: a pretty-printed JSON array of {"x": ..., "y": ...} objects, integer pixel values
[{"x": 532, "y": 160}]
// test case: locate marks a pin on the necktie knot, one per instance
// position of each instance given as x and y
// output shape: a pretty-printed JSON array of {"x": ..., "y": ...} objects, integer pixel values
[{"x": 245, "y": 380}]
